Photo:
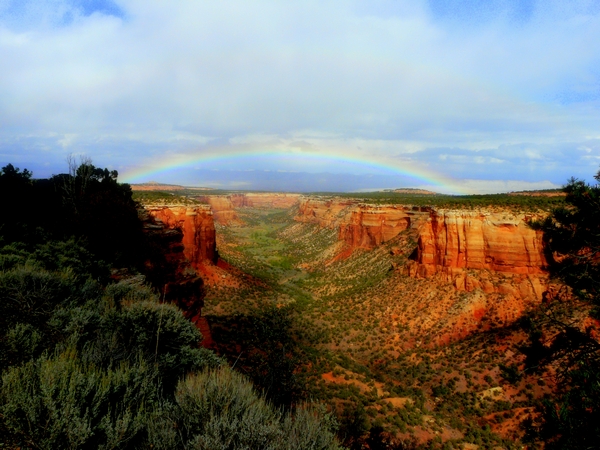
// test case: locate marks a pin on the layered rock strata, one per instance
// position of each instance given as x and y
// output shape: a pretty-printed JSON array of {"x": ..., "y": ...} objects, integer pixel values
[
  {"x": 198, "y": 228},
  {"x": 369, "y": 226},
  {"x": 360, "y": 225},
  {"x": 224, "y": 206},
  {"x": 327, "y": 213},
  {"x": 494, "y": 252},
  {"x": 265, "y": 200},
  {"x": 474, "y": 240}
]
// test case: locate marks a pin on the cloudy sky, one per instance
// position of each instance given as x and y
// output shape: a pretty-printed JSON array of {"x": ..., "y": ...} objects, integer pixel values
[{"x": 471, "y": 96}]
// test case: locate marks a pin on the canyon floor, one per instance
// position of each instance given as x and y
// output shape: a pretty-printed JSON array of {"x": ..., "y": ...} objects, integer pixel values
[{"x": 416, "y": 359}]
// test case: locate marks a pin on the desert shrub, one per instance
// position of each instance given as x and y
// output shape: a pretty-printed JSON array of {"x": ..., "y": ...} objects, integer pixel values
[
  {"x": 29, "y": 297},
  {"x": 23, "y": 341},
  {"x": 59, "y": 402},
  {"x": 221, "y": 409},
  {"x": 156, "y": 333},
  {"x": 30, "y": 293}
]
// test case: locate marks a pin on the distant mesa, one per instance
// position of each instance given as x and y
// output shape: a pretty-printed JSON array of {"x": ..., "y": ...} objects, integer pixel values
[
  {"x": 155, "y": 186},
  {"x": 411, "y": 191},
  {"x": 541, "y": 193}
]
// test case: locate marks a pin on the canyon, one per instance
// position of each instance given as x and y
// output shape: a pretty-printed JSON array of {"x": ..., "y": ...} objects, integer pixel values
[
  {"x": 377, "y": 288},
  {"x": 467, "y": 249},
  {"x": 223, "y": 206}
]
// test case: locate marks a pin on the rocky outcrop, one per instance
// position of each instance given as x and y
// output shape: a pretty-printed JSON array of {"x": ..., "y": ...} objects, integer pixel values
[
  {"x": 198, "y": 228},
  {"x": 498, "y": 242},
  {"x": 360, "y": 225},
  {"x": 170, "y": 270},
  {"x": 493, "y": 252},
  {"x": 369, "y": 226},
  {"x": 327, "y": 213},
  {"x": 222, "y": 208}
]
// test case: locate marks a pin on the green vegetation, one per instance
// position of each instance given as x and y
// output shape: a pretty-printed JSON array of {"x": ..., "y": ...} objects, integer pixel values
[
  {"x": 89, "y": 356},
  {"x": 572, "y": 233},
  {"x": 516, "y": 201}
]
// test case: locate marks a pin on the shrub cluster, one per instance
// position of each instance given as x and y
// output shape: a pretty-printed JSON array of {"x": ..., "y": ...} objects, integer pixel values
[{"x": 86, "y": 362}]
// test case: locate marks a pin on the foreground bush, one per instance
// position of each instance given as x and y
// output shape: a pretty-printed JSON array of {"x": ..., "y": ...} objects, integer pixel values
[
  {"x": 60, "y": 402},
  {"x": 221, "y": 410}
]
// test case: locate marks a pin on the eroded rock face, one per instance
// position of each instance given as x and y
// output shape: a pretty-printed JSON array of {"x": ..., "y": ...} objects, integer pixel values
[
  {"x": 266, "y": 200},
  {"x": 327, "y": 213},
  {"x": 369, "y": 226},
  {"x": 360, "y": 225},
  {"x": 496, "y": 253},
  {"x": 224, "y": 206},
  {"x": 475, "y": 240},
  {"x": 198, "y": 228},
  {"x": 168, "y": 267}
]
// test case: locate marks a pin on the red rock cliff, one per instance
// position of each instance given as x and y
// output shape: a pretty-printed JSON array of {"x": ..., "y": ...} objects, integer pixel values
[
  {"x": 360, "y": 225},
  {"x": 197, "y": 225},
  {"x": 327, "y": 213},
  {"x": 222, "y": 208},
  {"x": 498, "y": 242},
  {"x": 169, "y": 268},
  {"x": 368, "y": 226},
  {"x": 266, "y": 200}
]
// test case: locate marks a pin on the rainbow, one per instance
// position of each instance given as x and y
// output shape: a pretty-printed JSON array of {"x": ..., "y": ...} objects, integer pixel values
[{"x": 328, "y": 162}]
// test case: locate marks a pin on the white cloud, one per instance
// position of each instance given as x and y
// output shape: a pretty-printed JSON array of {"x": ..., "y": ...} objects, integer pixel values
[{"x": 387, "y": 80}]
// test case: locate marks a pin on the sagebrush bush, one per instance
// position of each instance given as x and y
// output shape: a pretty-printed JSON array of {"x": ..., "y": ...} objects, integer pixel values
[
  {"x": 59, "y": 402},
  {"x": 220, "y": 409}
]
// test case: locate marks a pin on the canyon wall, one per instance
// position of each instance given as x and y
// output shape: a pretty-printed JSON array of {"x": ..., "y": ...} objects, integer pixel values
[
  {"x": 265, "y": 200},
  {"x": 494, "y": 252},
  {"x": 169, "y": 267},
  {"x": 223, "y": 206},
  {"x": 327, "y": 213},
  {"x": 198, "y": 228},
  {"x": 498, "y": 242},
  {"x": 360, "y": 225},
  {"x": 369, "y": 226}
]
